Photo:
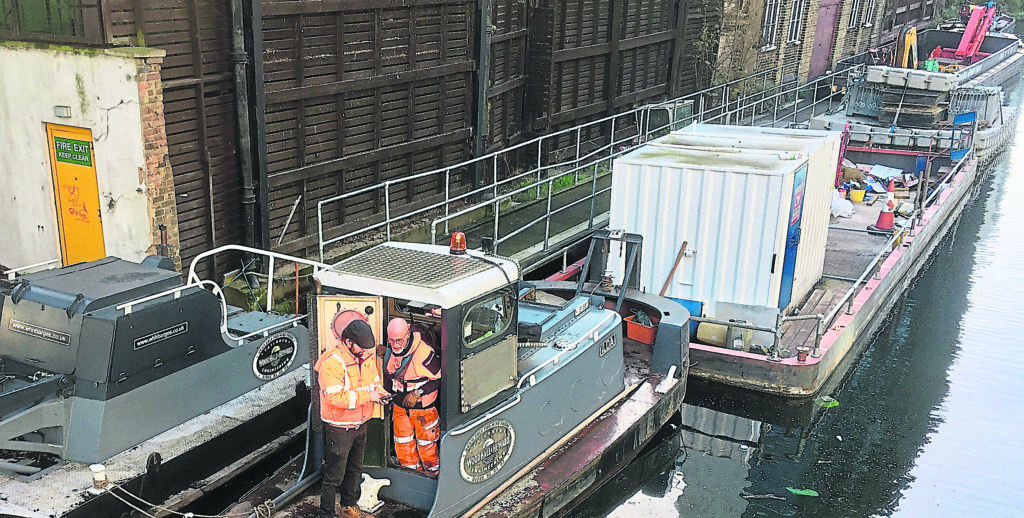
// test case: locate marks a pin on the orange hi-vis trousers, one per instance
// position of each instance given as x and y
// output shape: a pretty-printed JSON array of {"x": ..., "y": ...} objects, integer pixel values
[{"x": 416, "y": 434}]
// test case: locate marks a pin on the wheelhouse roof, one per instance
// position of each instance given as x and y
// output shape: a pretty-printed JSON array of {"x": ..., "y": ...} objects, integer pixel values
[{"x": 418, "y": 272}]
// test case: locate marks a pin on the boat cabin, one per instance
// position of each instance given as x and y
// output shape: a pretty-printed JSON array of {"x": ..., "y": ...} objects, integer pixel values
[{"x": 517, "y": 376}]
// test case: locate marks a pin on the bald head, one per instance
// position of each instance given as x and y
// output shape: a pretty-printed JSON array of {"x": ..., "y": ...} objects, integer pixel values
[{"x": 398, "y": 335}]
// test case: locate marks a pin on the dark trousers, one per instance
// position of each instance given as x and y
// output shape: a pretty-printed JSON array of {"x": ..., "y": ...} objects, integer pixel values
[{"x": 343, "y": 465}]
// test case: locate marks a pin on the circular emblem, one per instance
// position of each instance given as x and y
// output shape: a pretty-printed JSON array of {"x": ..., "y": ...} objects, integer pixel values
[
  {"x": 487, "y": 451},
  {"x": 274, "y": 356}
]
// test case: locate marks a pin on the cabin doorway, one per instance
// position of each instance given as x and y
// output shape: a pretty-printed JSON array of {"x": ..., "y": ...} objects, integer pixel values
[{"x": 336, "y": 311}]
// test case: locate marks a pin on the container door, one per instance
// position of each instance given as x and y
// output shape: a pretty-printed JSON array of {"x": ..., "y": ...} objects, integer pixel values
[
  {"x": 76, "y": 193},
  {"x": 335, "y": 311},
  {"x": 792, "y": 236}
]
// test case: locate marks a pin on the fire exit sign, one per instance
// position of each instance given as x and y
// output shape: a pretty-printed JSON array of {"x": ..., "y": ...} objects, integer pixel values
[{"x": 72, "y": 151}]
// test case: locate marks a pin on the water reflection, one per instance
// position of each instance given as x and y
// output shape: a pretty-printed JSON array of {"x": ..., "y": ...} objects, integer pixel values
[{"x": 927, "y": 417}]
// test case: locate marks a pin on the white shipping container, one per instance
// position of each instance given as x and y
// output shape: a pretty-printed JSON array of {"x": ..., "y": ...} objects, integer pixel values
[{"x": 728, "y": 193}]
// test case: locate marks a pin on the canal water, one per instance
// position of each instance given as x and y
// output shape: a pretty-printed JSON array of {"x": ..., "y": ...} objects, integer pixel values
[{"x": 928, "y": 420}]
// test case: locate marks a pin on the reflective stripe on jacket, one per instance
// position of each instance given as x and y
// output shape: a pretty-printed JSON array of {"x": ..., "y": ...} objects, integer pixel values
[{"x": 345, "y": 386}]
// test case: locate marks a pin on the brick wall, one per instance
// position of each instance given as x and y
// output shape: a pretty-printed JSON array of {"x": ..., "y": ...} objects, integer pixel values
[{"x": 157, "y": 177}]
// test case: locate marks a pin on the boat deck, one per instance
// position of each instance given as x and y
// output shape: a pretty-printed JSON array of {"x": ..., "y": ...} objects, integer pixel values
[
  {"x": 560, "y": 466},
  {"x": 63, "y": 487},
  {"x": 849, "y": 251}
]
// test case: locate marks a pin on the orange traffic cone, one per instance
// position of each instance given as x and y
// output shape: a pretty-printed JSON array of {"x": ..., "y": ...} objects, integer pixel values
[{"x": 885, "y": 222}]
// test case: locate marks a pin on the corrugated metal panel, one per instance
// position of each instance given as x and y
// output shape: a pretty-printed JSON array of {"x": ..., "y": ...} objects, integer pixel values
[
  {"x": 728, "y": 197},
  {"x": 822, "y": 150}
]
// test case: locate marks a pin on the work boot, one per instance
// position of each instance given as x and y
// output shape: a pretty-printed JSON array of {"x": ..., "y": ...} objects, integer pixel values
[{"x": 352, "y": 511}]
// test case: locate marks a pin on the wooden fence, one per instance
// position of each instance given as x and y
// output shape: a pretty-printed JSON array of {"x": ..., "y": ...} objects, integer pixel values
[{"x": 357, "y": 93}]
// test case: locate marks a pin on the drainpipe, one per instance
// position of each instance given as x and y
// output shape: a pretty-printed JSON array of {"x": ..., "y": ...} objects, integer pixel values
[
  {"x": 241, "y": 62},
  {"x": 483, "y": 78}
]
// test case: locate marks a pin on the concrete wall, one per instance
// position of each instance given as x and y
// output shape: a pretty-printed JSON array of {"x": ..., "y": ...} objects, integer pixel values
[{"x": 101, "y": 88}]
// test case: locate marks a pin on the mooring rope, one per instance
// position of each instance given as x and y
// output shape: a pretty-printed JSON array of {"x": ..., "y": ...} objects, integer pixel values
[{"x": 262, "y": 510}]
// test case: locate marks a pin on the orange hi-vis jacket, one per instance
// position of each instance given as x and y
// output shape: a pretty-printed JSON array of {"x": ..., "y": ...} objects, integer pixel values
[
  {"x": 418, "y": 370},
  {"x": 345, "y": 386}
]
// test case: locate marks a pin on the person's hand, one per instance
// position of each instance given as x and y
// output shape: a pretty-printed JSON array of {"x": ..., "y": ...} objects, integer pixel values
[
  {"x": 410, "y": 400},
  {"x": 378, "y": 394}
]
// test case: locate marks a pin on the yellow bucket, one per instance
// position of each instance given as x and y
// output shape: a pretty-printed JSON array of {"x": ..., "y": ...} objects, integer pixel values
[{"x": 857, "y": 195}]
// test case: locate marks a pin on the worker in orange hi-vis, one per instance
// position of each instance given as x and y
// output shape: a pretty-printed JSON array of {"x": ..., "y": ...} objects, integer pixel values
[
  {"x": 412, "y": 373},
  {"x": 349, "y": 387}
]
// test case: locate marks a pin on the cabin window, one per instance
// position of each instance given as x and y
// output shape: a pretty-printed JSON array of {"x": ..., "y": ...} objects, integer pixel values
[{"x": 487, "y": 318}]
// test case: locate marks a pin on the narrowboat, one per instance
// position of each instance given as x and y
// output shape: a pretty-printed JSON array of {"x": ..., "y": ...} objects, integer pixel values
[
  {"x": 122, "y": 387},
  {"x": 543, "y": 395}
]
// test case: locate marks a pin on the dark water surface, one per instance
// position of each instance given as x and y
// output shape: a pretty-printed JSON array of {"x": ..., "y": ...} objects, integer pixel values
[{"x": 930, "y": 418}]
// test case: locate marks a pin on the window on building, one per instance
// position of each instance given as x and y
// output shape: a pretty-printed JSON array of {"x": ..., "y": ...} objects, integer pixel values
[
  {"x": 869, "y": 13},
  {"x": 770, "y": 22},
  {"x": 797, "y": 19},
  {"x": 854, "y": 15}
]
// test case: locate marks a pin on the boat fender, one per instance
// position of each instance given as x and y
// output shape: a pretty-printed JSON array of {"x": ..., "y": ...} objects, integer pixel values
[{"x": 667, "y": 383}]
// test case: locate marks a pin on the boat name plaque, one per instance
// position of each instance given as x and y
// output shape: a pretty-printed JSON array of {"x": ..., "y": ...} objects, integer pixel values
[
  {"x": 607, "y": 345},
  {"x": 487, "y": 451},
  {"x": 274, "y": 356}
]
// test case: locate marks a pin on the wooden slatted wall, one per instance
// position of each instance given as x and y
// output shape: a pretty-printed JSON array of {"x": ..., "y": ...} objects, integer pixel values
[
  {"x": 506, "y": 91},
  {"x": 357, "y": 94},
  {"x": 592, "y": 58},
  {"x": 199, "y": 109},
  {"x": 701, "y": 21}
]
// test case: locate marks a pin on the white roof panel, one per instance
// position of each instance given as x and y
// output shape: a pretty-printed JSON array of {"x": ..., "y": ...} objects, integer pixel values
[{"x": 424, "y": 273}]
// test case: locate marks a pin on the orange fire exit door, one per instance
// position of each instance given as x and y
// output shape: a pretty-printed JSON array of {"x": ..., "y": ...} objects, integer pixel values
[{"x": 76, "y": 193}]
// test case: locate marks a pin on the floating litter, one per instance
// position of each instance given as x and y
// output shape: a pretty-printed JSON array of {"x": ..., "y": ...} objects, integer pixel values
[
  {"x": 803, "y": 492},
  {"x": 826, "y": 402}
]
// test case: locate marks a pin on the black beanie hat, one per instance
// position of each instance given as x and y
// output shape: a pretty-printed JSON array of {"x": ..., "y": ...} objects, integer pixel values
[{"x": 359, "y": 332}]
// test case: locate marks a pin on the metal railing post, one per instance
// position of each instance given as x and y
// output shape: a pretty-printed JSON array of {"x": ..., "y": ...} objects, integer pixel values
[
  {"x": 547, "y": 220},
  {"x": 447, "y": 197},
  {"x": 540, "y": 153},
  {"x": 497, "y": 205},
  {"x": 387, "y": 210},
  {"x": 593, "y": 199},
  {"x": 576, "y": 171},
  {"x": 270, "y": 284},
  {"x": 774, "y": 352},
  {"x": 818, "y": 331},
  {"x": 775, "y": 112}
]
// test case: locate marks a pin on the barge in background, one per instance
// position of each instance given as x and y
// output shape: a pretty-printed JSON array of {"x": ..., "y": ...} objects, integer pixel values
[
  {"x": 542, "y": 398},
  {"x": 738, "y": 227},
  {"x": 911, "y": 112}
]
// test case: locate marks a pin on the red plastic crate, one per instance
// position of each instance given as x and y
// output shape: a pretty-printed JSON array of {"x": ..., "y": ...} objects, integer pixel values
[{"x": 640, "y": 332}]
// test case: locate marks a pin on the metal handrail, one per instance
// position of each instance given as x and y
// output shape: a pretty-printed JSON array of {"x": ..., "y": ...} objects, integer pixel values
[
  {"x": 634, "y": 115},
  {"x": 887, "y": 248},
  {"x": 14, "y": 271},
  {"x": 825, "y": 321},
  {"x": 976, "y": 69}
]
